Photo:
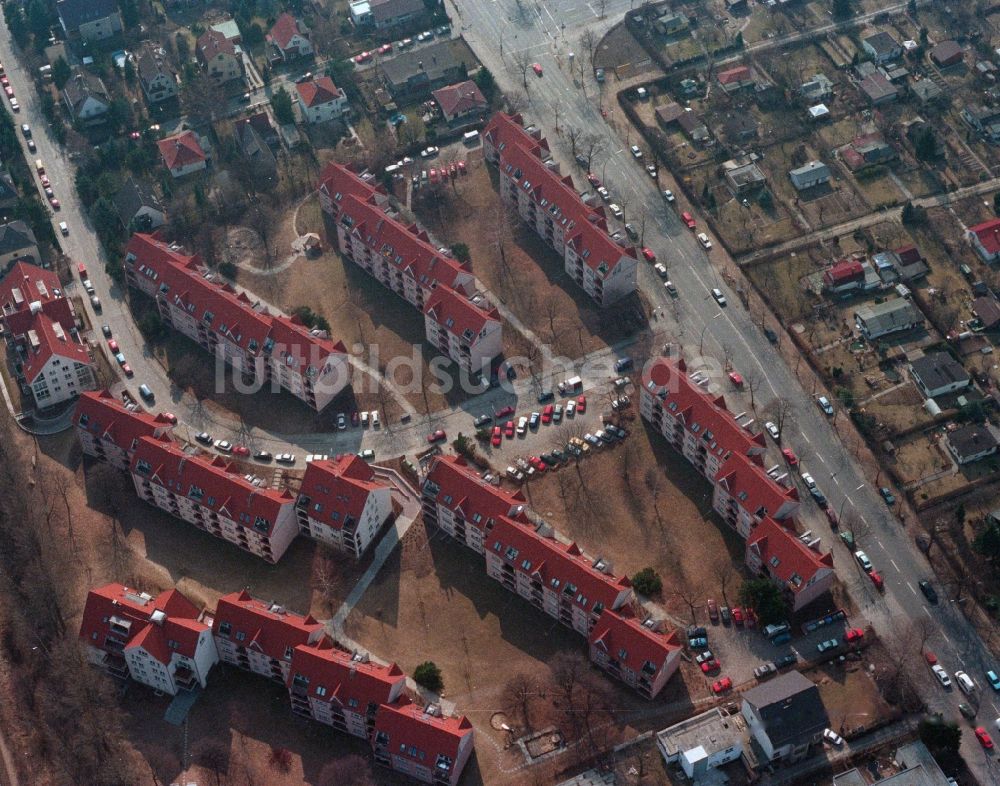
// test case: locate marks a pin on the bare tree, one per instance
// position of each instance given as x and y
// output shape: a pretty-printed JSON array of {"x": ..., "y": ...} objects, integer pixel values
[
  {"x": 213, "y": 756},
  {"x": 752, "y": 379},
  {"x": 519, "y": 697},
  {"x": 692, "y": 595},
  {"x": 588, "y": 44},
  {"x": 568, "y": 672},
  {"x": 522, "y": 62},
  {"x": 203, "y": 99},
  {"x": 573, "y": 133},
  {"x": 350, "y": 770},
  {"x": 724, "y": 574},
  {"x": 593, "y": 147},
  {"x": 514, "y": 101}
]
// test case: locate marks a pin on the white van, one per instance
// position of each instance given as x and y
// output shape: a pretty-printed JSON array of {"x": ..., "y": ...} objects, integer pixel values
[
  {"x": 965, "y": 683},
  {"x": 470, "y": 138},
  {"x": 570, "y": 385}
]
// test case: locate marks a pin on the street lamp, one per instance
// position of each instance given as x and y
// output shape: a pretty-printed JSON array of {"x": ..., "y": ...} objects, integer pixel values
[
  {"x": 701, "y": 339},
  {"x": 840, "y": 513}
]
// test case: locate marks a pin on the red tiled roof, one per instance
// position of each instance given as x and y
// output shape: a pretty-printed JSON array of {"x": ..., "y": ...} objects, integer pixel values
[
  {"x": 757, "y": 492},
  {"x": 457, "y": 314},
  {"x": 738, "y": 74},
  {"x": 350, "y": 682},
  {"x": 560, "y": 567},
  {"x": 211, "y": 43},
  {"x": 342, "y": 487},
  {"x": 25, "y": 284},
  {"x": 620, "y": 632},
  {"x": 105, "y": 416},
  {"x": 181, "y": 624},
  {"x": 796, "y": 563},
  {"x": 989, "y": 235},
  {"x": 224, "y": 489},
  {"x": 463, "y": 491},
  {"x": 909, "y": 255},
  {"x": 584, "y": 226},
  {"x": 285, "y": 26},
  {"x": 682, "y": 397},
  {"x": 298, "y": 347},
  {"x": 407, "y": 248},
  {"x": 318, "y": 91},
  {"x": 266, "y": 627},
  {"x": 461, "y": 98},
  {"x": 47, "y": 338},
  {"x": 845, "y": 270},
  {"x": 409, "y": 732},
  {"x": 181, "y": 150}
]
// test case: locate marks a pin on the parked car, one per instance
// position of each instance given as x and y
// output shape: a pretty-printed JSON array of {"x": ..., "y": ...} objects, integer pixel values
[
  {"x": 437, "y": 436},
  {"x": 581, "y": 404},
  {"x": 704, "y": 656},
  {"x": 696, "y": 631},
  {"x": 790, "y": 457},
  {"x": 737, "y": 616},
  {"x": 967, "y": 711},
  {"x": 984, "y": 738},
  {"x": 863, "y": 560},
  {"x": 688, "y": 220},
  {"x": 671, "y": 289},
  {"x": 942, "y": 675},
  {"x": 533, "y": 420},
  {"x": 887, "y": 495},
  {"x": 508, "y": 429},
  {"x": 854, "y": 634},
  {"x": 772, "y": 429},
  {"x": 698, "y": 642},
  {"x": 616, "y": 211},
  {"x": 547, "y": 413},
  {"x": 650, "y": 256},
  {"x": 631, "y": 232},
  {"x": 482, "y": 420},
  {"x": 603, "y": 193},
  {"x": 765, "y": 670},
  {"x": 661, "y": 271},
  {"x": 708, "y": 666},
  {"x": 993, "y": 679},
  {"x": 522, "y": 426},
  {"x": 713, "y": 610},
  {"x": 263, "y": 455},
  {"x": 825, "y": 405},
  {"x": 929, "y": 592},
  {"x": 204, "y": 438},
  {"x": 651, "y": 170},
  {"x": 285, "y": 458},
  {"x": 722, "y": 685},
  {"x": 636, "y": 152},
  {"x": 341, "y": 421},
  {"x": 877, "y": 580},
  {"x": 719, "y": 297},
  {"x": 505, "y": 411},
  {"x": 224, "y": 446},
  {"x": 705, "y": 242},
  {"x": 829, "y": 644},
  {"x": 668, "y": 195},
  {"x": 241, "y": 450},
  {"x": 786, "y": 660},
  {"x": 832, "y": 737}
]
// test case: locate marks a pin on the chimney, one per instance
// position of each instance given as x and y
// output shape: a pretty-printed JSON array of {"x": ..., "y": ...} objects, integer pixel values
[{"x": 420, "y": 64}]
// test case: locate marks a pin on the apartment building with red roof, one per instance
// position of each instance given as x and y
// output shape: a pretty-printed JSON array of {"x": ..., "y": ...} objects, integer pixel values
[
  {"x": 780, "y": 555},
  {"x": 264, "y": 348},
  {"x": 182, "y": 153},
  {"x": 418, "y": 741},
  {"x": 678, "y": 405},
  {"x": 340, "y": 503},
  {"x": 321, "y": 100},
  {"x": 456, "y": 500},
  {"x": 289, "y": 38},
  {"x": 27, "y": 290},
  {"x": 161, "y": 642},
  {"x": 638, "y": 654},
  {"x": 364, "y": 229},
  {"x": 215, "y": 496},
  {"x": 56, "y": 364},
  {"x": 340, "y": 688},
  {"x": 260, "y": 636},
  {"x": 556, "y": 577},
  {"x": 110, "y": 432},
  {"x": 467, "y": 333},
  {"x": 985, "y": 239},
  {"x": 550, "y": 204}
]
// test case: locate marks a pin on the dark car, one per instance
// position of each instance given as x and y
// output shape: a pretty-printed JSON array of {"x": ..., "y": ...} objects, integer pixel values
[
  {"x": 546, "y": 397},
  {"x": 786, "y": 660},
  {"x": 697, "y": 632},
  {"x": 263, "y": 455},
  {"x": 622, "y": 364},
  {"x": 204, "y": 438},
  {"x": 482, "y": 420},
  {"x": 771, "y": 335},
  {"x": 582, "y": 160},
  {"x": 819, "y": 497},
  {"x": 887, "y": 495},
  {"x": 929, "y": 592}
]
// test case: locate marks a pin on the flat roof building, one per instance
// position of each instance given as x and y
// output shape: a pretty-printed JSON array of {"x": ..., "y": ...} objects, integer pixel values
[{"x": 704, "y": 742}]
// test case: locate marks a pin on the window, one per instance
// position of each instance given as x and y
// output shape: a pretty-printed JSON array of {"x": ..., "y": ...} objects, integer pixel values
[
  {"x": 511, "y": 553},
  {"x": 225, "y": 628},
  {"x": 774, "y": 562},
  {"x": 240, "y": 636},
  {"x": 320, "y": 690}
]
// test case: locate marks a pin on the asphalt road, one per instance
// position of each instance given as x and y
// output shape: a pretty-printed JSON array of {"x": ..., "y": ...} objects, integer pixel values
[{"x": 703, "y": 329}]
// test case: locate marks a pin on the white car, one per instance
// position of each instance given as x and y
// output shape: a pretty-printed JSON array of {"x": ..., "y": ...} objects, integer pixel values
[
  {"x": 224, "y": 446},
  {"x": 603, "y": 193},
  {"x": 374, "y": 417},
  {"x": 669, "y": 286},
  {"x": 88, "y": 286},
  {"x": 429, "y": 152},
  {"x": 522, "y": 426},
  {"x": 808, "y": 480},
  {"x": 832, "y": 737},
  {"x": 772, "y": 429},
  {"x": 616, "y": 211},
  {"x": 825, "y": 405},
  {"x": 661, "y": 271},
  {"x": 571, "y": 408},
  {"x": 705, "y": 242},
  {"x": 651, "y": 169},
  {"x": 863, "y": 561},
  {"x": 719, "y": 297},
  {"x": 636, "y": 152},
  {"x": 942, "y": 675},
  {"x": 668, "y": 195},
  {"x": 285, "y": 458},
  {"x": 64, "y": 228}
]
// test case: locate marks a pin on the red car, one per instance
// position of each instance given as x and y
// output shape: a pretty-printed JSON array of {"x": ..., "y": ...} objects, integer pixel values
[
  {"x": 113, "y": 346},
  {"x": 721, "y": 686},
  {"x": 581, "y": 405},
  {"x": 736, "y": 379},
  {"x": 737, "y": 616},
  {"x": 854, "y": 634},
  {"x": 5, "y": 81},
  {"x": 876, "y": 578},
  {"x": 594, "y": 180},
  {"x": 128, "y": 370},
  {"x": 497, "y": 437},
  {"x": 831, "y": 516},
  {"x": 504, "y": 411},
  {"x": 508, "y": 429},
  {"x": 539, "y": 465},
  {"x": 931, "y": 658},
  {"x": 170, "y": 417},
  {"x": 385, "y": 49},
  {"x": 547, "y": 413},
  {"x": 461, "y": 168},
  {"x": 241, "y": 450},
  {"x": 649, "y": 254},
  {"x": 437, "y": 436},
  {"x": 751, "y": 616},
  {"x": 364, "y": 57},
  {"x": 537, "y": 68},
  {"x": 688, "y": 220},
  {"x": 790, "y": 457},
  {"x": 45, "y": 181},
  {"x": 433, "y": 174},
  {"x": 984, "y": 738},
  {"x": 9, "y": 91},
  {"x": 713, "y": 610},
  {"x": 709, "y": 666},
  {"x": 54, "y": 202}
]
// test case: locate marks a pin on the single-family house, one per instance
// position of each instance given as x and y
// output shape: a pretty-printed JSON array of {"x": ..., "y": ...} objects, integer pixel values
[
  {"x": 461, "y": 102},
  {"x": 86, "y": 97},
  {"x": 8, "y": 191},
  {"x": 972, "y": 442},
  {"x": 946, "y": 54},
  {"x": 985, "y": 239},
  {"x": 882, "y": 48},
  {"x": 878, "y": 89},
  {"x": 744, "y": 179},
  {"x": 158, "y": 79},
  {"x": 693, "y": 126},
  {"x": 808, "y": 175},
  {"x": 669, "y": 113},
  {"x": 786, "y": 716},
  {"x": 926, "y": 91},
  {"x": 138, "y": 207},
  {"x": 413, "y": 75},
  {"x": 182, "y": 153},
  {"x": 321, "y": 100},
  {"x": 289, "y": 38},
  {"x": 985, "y": 120},
  {"x": 866, "y": 150},
  {"x": 891, "y": 316},
  {"x": 938, "y": 373},
  {"x": 735, "y": 79},
  {"x": 817, "y": 88},
  {"x": 987, "y": 310},
  {"x": 89, "y": 20},
  {"x": 220, "y": 57},
  {"x": 671, "y": 23},
  {"x": 845, "y": 276},
  {"x": 17, "y": 244},
  {"x": 257, "y": 151}
]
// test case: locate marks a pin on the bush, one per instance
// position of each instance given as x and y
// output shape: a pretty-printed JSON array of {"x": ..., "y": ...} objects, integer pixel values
[
  {"x": 765, "y": 598},
  {"x": 228, "y": 269},
  {"x": 647, "y": 582},
  {"x": 428, "y": 675},
  {"x": 461, "y": 252}
]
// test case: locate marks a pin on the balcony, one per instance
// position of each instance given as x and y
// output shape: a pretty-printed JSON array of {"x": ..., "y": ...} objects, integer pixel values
[
  {"x": 115, "y": 665},
  {"x": 185, "y": 678}
]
